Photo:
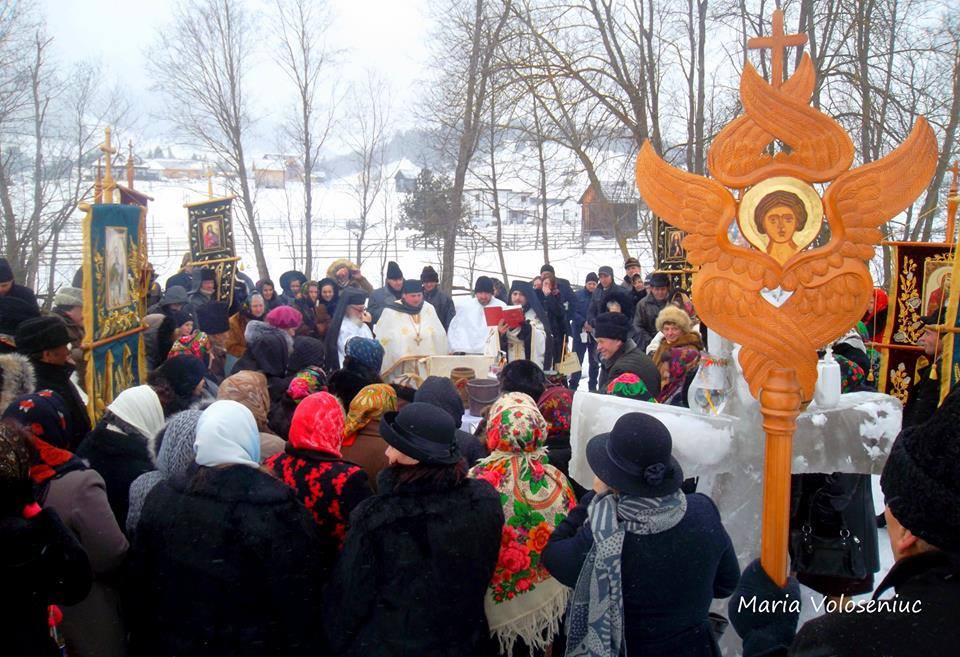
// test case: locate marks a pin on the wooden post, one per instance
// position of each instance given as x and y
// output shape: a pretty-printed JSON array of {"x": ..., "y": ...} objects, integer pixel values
[
  {"x": 130, "y": 164},
  {"x": 953, "y": 200},
  {"x": 780, "y": 401},
  {"x": 108, "y": 182}
]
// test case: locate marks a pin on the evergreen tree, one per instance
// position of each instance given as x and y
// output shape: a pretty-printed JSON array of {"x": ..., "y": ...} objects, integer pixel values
[{"x": 428, "y": 209}]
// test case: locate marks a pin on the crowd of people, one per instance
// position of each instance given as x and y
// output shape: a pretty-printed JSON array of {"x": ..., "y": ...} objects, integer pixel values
[{"x": 282, "y": 485}]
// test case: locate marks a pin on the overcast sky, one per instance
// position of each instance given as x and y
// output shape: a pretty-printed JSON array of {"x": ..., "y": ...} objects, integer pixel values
[{"x": 388, "y": 37}]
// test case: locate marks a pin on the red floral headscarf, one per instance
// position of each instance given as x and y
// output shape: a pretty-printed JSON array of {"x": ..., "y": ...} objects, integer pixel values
[
  {"x": 555, "y": 405},
  {"x": 318, "y": 424},
  {"x": 523, "y": 600}
]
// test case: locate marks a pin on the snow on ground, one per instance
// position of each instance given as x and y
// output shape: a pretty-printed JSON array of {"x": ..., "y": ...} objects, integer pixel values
[{"x": 335, "y": 208}]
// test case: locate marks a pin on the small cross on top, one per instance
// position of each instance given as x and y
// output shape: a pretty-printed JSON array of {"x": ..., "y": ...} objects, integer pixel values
[{"x": 777, "y": 42}]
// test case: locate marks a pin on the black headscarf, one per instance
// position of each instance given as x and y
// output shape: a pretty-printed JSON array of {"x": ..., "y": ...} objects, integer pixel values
[
  {"x": 349, "y": 296},
  {"x": 331, "y": 305},
  {"x": 533, "y": 303}
]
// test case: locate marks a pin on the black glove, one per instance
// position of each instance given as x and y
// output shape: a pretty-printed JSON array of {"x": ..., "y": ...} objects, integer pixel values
[{"x": 763, "y": 614}]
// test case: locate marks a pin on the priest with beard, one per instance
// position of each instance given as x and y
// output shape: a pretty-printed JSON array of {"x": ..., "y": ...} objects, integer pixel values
[
  {"x": 529, "y": 340},
  {"x": 409, "y": 327},
  {"x": 349, "y": 320},
  {"x": 469, "y": 333}
]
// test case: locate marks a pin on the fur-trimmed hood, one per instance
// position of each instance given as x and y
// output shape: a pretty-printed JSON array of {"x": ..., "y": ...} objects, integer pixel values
[{"x": 16, "y": 378}]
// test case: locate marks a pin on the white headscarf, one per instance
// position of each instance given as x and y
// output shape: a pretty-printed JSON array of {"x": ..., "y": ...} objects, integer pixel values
[
  {"x": 227, "y": 434},
  {"x": 139, "y": 407}
]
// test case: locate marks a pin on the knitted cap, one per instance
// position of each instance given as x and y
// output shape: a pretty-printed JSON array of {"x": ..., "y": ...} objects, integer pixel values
[
  {"x": 429, "y": 275},
  {"x": 68, "y": 296},
  {"x": 393, "y": 271},
  {"x": 284, "y": 317}
]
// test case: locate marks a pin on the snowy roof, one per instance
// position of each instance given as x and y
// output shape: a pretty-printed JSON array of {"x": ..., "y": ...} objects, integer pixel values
[{"x": 174, "y": 163}]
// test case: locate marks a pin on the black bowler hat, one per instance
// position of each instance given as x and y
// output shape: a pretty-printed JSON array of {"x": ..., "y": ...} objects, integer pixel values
[
  {"x": 423, "y": 432},
  {"x": 412, "y": 286},
  {"x": 635, "y": 458}
]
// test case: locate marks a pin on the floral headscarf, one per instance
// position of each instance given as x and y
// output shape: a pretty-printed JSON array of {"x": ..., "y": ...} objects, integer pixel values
[
  {"x": 196, "y": 344},
  {"x": 368, "y": 406},
  {"x": 318, "y": 424},
  {"x": 307, "y": 381},
  {"x": 44, "y": 414},
  {"x": 555, "y": 405},
  {"x": 250, "y": 389},
  {"x": 523, "y": 600},
  {"x": 630, "y": 386}
]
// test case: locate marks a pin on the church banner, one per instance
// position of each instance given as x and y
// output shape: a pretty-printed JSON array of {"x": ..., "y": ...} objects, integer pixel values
[
  {"x": 671, "y": 257},
  {"x": 919, "y": 286},
  {"x": 212, "y": 244},
  {"x": 113, "y": 248}
]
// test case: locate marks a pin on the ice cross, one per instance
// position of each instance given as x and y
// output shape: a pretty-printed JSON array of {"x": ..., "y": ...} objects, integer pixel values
[{"x": 777, "y": 42}]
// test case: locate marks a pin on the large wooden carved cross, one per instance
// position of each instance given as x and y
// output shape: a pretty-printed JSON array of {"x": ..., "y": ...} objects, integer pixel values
[
  {"x": 780, "y": 297},
  {"x": 777, "y": 42}
]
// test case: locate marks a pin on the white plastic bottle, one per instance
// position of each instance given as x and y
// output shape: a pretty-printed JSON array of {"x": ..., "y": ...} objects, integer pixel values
[{"x": 827, "y": 392}]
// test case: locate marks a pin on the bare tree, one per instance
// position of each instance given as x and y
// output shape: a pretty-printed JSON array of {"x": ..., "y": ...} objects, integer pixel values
[
  {"x": 304, "y": 55},
  {"x": 200, "y": 62},
  {"x": 467, "y": 45},
  {"x": 368, "y": 137}
]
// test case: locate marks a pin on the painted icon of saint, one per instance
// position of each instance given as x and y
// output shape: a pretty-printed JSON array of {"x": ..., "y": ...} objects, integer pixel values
[
  {"x": 211, "y": 239},
  {"x": 780, "y": 215}
]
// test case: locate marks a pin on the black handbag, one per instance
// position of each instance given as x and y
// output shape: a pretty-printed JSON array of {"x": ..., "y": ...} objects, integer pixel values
[{"x": 839, "y": 555}]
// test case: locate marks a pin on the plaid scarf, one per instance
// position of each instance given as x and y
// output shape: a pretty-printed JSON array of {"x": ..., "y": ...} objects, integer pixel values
[{"x": 595, "y": 617}]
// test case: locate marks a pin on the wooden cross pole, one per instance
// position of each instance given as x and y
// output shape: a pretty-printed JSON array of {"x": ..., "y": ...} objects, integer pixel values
[
  {"x": 953, "y": 200},
  {"x": 108, "y": 182},
  {"x": 130, "y": 164},
  {"x": 777, "y": 42},
  {"x": 209, "y": 181}
]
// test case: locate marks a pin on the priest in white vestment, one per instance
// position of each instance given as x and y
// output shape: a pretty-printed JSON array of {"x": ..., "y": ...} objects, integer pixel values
[
  {"x": 469, "y": 333},
  {"x": 350, "y": 320},
  {"x": 409, "y": 327}
]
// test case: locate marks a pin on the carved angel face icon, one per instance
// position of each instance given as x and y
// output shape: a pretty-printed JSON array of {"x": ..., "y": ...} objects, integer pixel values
[{"x": 781, "y": 217}]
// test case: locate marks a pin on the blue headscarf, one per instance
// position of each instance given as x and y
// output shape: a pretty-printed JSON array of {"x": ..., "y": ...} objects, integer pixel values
[{"x": 227, "y": 435}]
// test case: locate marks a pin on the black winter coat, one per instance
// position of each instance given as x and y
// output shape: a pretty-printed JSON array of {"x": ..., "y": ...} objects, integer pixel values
[
  {"x": 630, "y": 358},
  {"x": 931, "y": 579},
  {"x": 669, "y": 579},
  {"x": 443, "y": 304},
  {"x": 597, "y": 303},
  {"x": 57, "y": 378},
  {"x": 414, "y": 570},
  {"x": 645, "y": 319},
  {"x": 923, "y": 397},
  {"x": 225, "y": 562},
  {"x": 329, "y": 488},
  {"x": 119, "y": 458},
  {"x": 41, "y": 563}
]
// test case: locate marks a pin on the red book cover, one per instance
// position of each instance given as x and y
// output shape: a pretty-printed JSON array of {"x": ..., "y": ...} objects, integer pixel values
[{"x": 512, "y": 315}]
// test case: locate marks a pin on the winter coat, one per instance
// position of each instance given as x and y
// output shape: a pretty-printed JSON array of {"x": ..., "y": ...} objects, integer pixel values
[
  {"x": 414, "y": 569},
  {"x": 686, "y": 566},
  {"x": 57, "y": 378},
  {"x": 828, "y": 503},
  {"x": 597, "y": 303},
  {"x": 119, "y": 458},
  {"x": 93, "y": 627},
  {"x": 367, "y": 451},
  {"x": 236, "y": 344},
  {"x": 578, "y": 313},
  {"x": 443, "y": 304},
  {"x": 630, "y": 358},
  {"x": 198, "y": 298},
  {"x": 923, "y": 398},
  {"x": 329, "y": 488},
  {"x": 645, "y": 319},
  {"x": 225, "y": 561},
  {"x": 379, "y": 299},
  {"x": 23, "y": 293},
  {"x": 930, "y": 579},
  {"x": 41, "y": 563}
]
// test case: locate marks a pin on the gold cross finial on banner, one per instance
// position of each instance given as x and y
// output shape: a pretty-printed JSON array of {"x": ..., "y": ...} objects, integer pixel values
[
  {"x": 108, "y": 182},
  {"x": 209, "y": 181},
  {"x": 777, "y": 42}
]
